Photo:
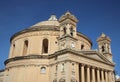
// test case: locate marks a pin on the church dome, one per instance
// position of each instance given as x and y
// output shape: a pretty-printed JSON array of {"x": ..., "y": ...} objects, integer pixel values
[
  {"x": 52, "y": 21},
  {"x": 48, "y": 32},
  {"x": 51, "y": 24}
]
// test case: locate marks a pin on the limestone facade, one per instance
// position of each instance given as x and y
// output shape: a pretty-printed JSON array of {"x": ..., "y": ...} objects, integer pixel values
[{"x": 54, "y": 51}]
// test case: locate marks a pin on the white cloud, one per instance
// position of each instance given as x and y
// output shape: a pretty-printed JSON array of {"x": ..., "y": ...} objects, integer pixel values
[{"x": 117, "y": 76}]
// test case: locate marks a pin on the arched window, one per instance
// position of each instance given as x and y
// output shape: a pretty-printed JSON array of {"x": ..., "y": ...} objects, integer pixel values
[
  {"x": 103, "y": 49},
  {"x": 82, "y": 47},
  {"x": 71, "y": 31},
  {"x": 45, "y": 46},
  {"x": 64, "y": 30},
  {"x": 43, "y": 70},
  {"x": 13, "y": 49},
  {"x": 25, "y": 48}
]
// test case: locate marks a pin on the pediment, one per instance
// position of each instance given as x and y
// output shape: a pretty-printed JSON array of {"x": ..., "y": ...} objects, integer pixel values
[
  {"x": 97, "y": 56},
  {"x": 90, "y": 54}
]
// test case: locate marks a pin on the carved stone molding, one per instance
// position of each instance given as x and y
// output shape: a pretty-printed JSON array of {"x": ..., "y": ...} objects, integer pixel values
[
  {"x": 62, "y": 79},
  {"x": 39, "y": 33},
  {"x": 88, "y": 66},
  {"x": 55, "y": 80},
  {"x": 93, "y": 67},
  {"x": 98, "y": 68},
  {"x": 82, "y": 64},
  {"x": 73, "y": 80},
  {"x": 26, "y": 57}
]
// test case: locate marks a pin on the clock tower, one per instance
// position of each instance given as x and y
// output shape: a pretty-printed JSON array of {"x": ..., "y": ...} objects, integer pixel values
[{"x": 67, "y": 37}]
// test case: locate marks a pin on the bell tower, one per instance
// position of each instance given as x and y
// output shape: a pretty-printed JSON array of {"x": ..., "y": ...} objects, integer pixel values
[
  {"x": 67, "y": 37},
  {"x": 68, "y": 25},
  {"x": 104, "y": 46}
]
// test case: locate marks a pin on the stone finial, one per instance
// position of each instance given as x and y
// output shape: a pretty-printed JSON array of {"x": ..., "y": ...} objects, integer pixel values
[
  {"x": 103, "y": 35},
  {"x": 67, "y": 13},
  {"x": 52, "y": 18}
]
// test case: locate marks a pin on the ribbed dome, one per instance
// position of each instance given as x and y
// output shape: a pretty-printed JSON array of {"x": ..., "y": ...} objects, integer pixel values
[
  {"x": 47, "y": 23},
  {"x": 52, "y": 21},
  {"x": 51, "y": 24}
]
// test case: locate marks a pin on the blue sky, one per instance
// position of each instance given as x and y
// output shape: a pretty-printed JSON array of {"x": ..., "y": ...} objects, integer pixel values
[{"x": 95, "y": 17}]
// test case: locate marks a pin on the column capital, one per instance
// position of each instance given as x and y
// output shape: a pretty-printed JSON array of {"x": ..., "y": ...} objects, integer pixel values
[
  {"x": 93, "y": 67},
  {"x": 98, "y": 68},
  {"x": 106, "y": 70},
  {"x": 88, "y": 66},
  {"x": 82, "y": 64},
  {"x": 102, "y": 69}
]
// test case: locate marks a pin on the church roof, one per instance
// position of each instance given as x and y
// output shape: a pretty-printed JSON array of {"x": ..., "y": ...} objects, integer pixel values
[
  {"x": 51, "y": 24},
  {"x": 52, "y": 21}
]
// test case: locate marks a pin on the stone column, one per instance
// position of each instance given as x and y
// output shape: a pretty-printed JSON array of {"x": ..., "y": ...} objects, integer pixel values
[
  {"x": 82, "y": 73},
  {"x": 102, "y": 75},
  {"x": 88, "y": 73},
  {"x": 93, "y": 74},
  {"x": 98, "y": 75},
  {"x": 109, "y": 75},
  {"x": 106, "y": 76}
]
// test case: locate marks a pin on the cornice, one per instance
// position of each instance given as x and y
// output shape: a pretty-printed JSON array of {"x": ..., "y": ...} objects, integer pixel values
[
  {"x": 26, "y": 57},
  {"x": 67, "y": 36},
  {"x": 35, "y": 28},
  {"x": 61, "y": 52},
  {"x": 58, "y": 53}
]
